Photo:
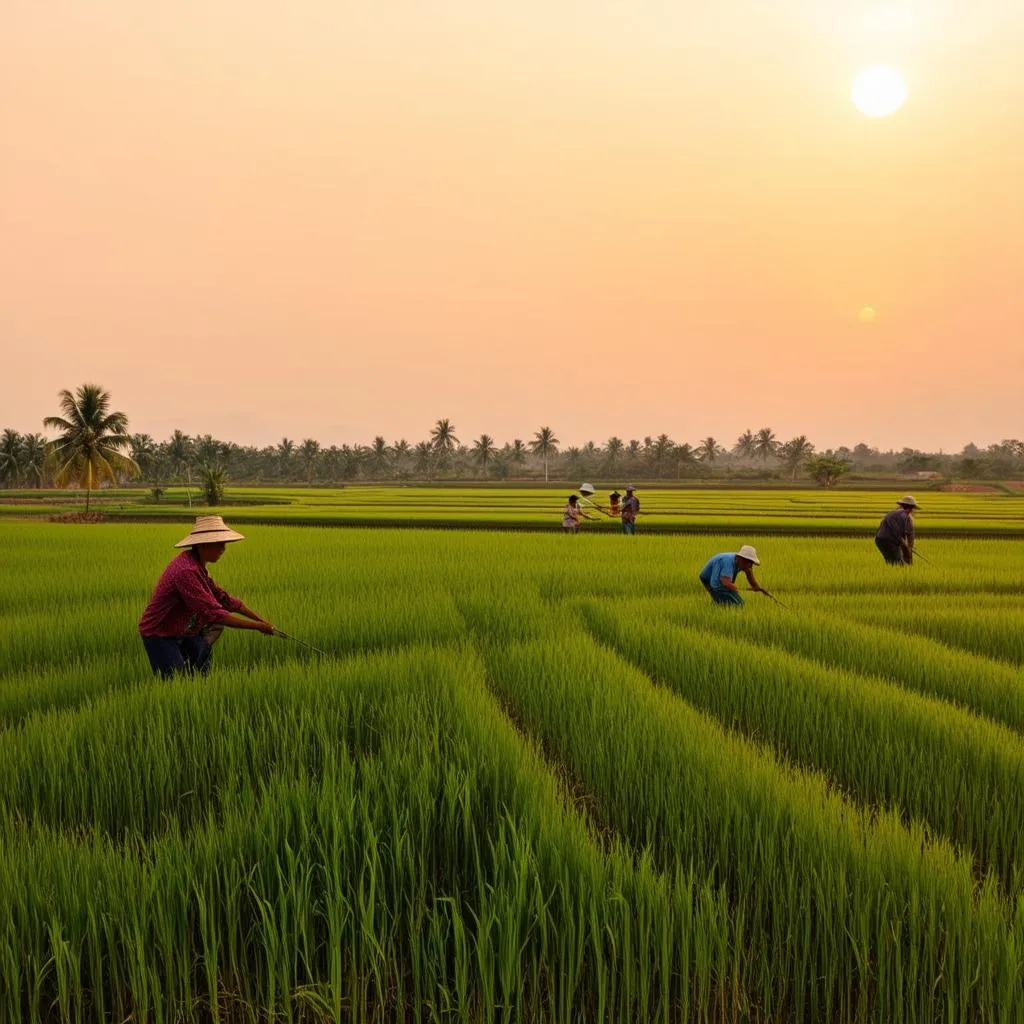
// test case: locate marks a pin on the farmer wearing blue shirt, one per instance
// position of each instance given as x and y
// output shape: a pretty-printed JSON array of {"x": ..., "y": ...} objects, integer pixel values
[{"x": 719, "y": 575}]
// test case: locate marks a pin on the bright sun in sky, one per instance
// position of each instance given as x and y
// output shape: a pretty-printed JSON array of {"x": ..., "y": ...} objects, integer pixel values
[{"x": 879, "y": 91}]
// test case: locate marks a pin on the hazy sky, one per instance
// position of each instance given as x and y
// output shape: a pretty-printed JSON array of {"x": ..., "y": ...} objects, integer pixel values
[{"x": 338, "y": 219}]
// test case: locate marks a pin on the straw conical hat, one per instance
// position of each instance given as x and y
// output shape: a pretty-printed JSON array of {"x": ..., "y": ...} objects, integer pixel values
[{"x": 209, "y": 530}]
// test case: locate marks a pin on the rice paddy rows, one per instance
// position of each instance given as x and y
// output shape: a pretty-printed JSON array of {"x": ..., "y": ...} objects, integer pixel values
[
  {"x": 539, "y": 778},
  {"x": 779, "y": 512}
]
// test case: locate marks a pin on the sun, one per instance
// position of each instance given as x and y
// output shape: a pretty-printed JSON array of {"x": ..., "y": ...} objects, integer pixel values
[{"x": 879, "y": 91}]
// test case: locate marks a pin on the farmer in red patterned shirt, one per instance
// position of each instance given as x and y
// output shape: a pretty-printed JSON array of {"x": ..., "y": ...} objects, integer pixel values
[{"x": 188, "y": 611}]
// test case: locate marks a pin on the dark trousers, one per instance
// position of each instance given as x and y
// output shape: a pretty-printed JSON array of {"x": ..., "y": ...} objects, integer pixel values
[
  {"x": 892, "y": 551},
  {"x": 170, "y": 655}
]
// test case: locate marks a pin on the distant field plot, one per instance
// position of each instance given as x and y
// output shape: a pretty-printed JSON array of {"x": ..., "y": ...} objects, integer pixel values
[
  {"x": 778, "y": 512},
  {"x": 536, "y": 778}
]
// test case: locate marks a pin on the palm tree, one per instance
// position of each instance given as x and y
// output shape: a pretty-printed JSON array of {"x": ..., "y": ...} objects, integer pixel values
[
  {"x": 660, "y": 450},
  {"x": 309, "y": 453},
  {"x": 380, "y": 456},
  {"x": 443, "y": 439},
  {"x": 765, "y": 444},
  {"x": 544, "y": 444},
  {"x": 746, "y": 445},
  {"x": 574, "y": 460},
  {"x": 180, "y": 454},
  {"x": 517, "y": 453},
  {"x": 284, "y": 453},
  {"x": 89, "y": 448},
  {"x": 590, "y": 456},
  {"x": 795, "y": 453},
  {"x": 400, "y": 451},
  {"x": 484, "y": 451},
  {"x": 208, "y": 450},
  {"x": 212, "y": 480},
  {"x": 33, "y": 458},
  {"x": 708, "y": 450},
  {"x": 685, "y": 456},
  {"x": 613, "y": 451},
  {"x": 10, "y": 457},
  {"x": 424, "y": 456},
  {"x": 143, "y": 452}
]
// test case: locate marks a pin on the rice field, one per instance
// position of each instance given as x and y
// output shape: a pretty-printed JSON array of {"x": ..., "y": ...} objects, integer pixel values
[
  {"x": 536, "y": 778},
  {"x": 663, "y": 510}
]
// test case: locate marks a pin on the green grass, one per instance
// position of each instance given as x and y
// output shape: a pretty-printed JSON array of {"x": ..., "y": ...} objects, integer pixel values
[{"x": 537, "y": 778}]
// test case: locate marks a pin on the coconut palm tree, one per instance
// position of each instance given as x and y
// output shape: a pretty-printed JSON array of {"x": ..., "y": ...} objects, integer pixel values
[
  {"x": 89, "y": 448},
  {"x": 401, "y": 450},
  {"x": 33, "y": 458},
  {"x": 284, "y": 453},
  {"x": 660, "y": 451},
  {"x": 517, "y": 453},
  {"x": 544, "y": 444},
  {"x": 795, "y": 453},
  {"x": 208, "y": 450},
  {"x": 745, "y": 445},
  {"x": 685, "y": 456},
  {"x": 309, "y": 453},
  {"x": 443, "y": 438},
  {"x": 380, "y": 457},
  {"x": 612, "y": 452},
  {"x": 424, "y": 453},
  {"x": 143, "y": 452},
  {"x": 708, "y": 450},
  {"x": 766, "y": 444},
  {"x": 10, "y": 457},
  {"x": 484, "y": 450}
]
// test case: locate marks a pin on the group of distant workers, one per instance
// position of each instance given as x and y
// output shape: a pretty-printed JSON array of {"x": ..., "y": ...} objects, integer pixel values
[
  {"x": 624, "y": 508},
  {"x": 188, "y": 611},
  {"x": 894, "y": 539}
]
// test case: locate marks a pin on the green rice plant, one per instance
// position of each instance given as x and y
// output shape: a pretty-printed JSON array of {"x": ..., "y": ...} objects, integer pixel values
[
  {"x": 992, "y": 631},
  {"x": 470, "y": 810},
  {"x": 958, "y": 773},
  {"x": 838, "y": 640},
  {"x": 806, "y": 872}
]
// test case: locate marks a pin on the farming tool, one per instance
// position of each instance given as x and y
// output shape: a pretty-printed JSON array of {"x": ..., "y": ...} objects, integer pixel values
[
  {"x": 769, "y": 594},
  {"x": 914, "y": 553},
  {"x": 586, "y": 492},
  {"x": 287, "y": 636}
]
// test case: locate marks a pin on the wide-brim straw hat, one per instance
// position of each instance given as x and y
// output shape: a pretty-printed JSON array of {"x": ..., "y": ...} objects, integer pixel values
[
  {"x": 749, "y": 553},
  {"x": 907, "y": 501},
  {"x": 209, "y": 530}
]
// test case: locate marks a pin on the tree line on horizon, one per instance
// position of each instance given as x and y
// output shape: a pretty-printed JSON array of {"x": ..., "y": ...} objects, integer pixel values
[{"x": 94, "y": 447}]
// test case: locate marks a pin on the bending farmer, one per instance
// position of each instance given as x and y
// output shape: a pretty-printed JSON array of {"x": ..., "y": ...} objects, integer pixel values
[
  {"x": 572, "y": 514},
  {"x": 719, "y": 575},
  {"x": 188, "y": 611},
  {"x": 895, "y": 537}
]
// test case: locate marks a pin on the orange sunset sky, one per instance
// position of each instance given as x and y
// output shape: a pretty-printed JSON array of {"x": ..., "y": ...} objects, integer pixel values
[{"x": 337, "y": 219}]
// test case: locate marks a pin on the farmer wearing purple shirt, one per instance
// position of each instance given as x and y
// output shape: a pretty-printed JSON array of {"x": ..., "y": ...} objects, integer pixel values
[
  {"x": 188, "y": 611},
  {"x": 895, "y": 537}
]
